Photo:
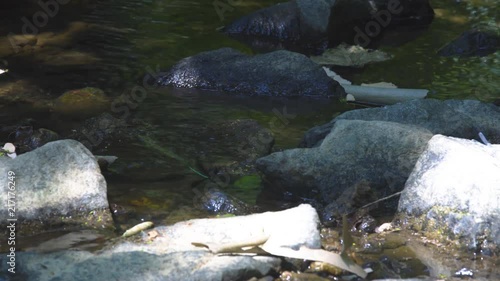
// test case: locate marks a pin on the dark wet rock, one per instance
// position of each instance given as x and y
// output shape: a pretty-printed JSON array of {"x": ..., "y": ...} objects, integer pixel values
[
  {"x": 309, "y": 26},
  {"x": 216, "y": 201},
  {"x": 118, "y": 210},
  {"x": 100, "y": 131},
  {"x": 453, "y": 192},
  {"x": 27, "y": 139},
  {"x": 368, "y": 154},
  {"x": 366, "y": 224},
  {"x": 331, "y": 214},
  {"x": 472, "y": 43},
  {"x": 279, "y": 73},
  {"x": 394, "y": 267},
  {"x": 57, "y": 185},
  {"x": 299, "y": 25}
]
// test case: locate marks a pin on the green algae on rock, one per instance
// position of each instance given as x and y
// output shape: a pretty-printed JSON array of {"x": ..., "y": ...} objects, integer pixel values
[{"x": 83, "y": 102}]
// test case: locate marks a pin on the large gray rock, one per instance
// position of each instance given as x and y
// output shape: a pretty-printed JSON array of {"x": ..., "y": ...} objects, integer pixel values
[
  {"x": 280, "y": 73},
  {"x": 376, "y": 154},
  {"x": 57, "y": 184},
  {"x": 454, "y": 191},
  {"x": 363, "y": 155},
  {"x": 172, "y": 256}
]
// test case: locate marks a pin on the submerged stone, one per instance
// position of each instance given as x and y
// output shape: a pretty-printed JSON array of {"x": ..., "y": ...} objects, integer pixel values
[{"x": 82, "y": 103}]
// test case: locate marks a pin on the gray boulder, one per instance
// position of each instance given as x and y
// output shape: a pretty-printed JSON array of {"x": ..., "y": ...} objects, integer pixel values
[
  {"x": 280, "y": 73},
  {"x": 58, "y": 184},
  {"x": 170, "y": 254},
  {"x": 458, "y": 118},
  {"x": 453, "y": 192},
  {"x": 357, "y": 161},
  {"x": 364, "y": 155}
]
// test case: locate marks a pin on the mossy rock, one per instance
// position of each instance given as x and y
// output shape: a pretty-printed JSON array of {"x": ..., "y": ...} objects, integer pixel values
[{"x": 83, "y": 102}]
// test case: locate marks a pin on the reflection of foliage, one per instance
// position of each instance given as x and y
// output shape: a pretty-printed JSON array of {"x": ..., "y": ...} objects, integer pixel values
[{"x": 471, "y": 78}]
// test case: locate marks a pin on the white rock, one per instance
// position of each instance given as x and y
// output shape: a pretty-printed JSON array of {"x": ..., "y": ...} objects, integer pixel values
[{"x": 463, "y": 177}]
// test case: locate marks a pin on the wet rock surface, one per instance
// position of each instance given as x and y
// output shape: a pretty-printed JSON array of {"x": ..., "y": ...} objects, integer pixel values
[
  {"x": 229, "y": 70},
  {"x": 457, "y": 118},
  {"x": 309, "y": 27},
  {"x": 58, "y": 184},
  {"x": 219, "y": 202},
  {"x": 26, "y": 138},
  {"x": 453, "y": 193}
]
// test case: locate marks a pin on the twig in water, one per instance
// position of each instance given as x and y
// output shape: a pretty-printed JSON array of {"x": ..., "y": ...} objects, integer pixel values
[{"x": 381, "y": 199}]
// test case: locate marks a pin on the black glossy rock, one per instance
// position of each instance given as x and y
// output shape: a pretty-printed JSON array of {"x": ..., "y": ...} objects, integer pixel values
[
  {"x": 27, "y": 138},
  {"x": 280, "y": 73},
  {"x": 216, "y": 201},
  {"x": 363, "y": 155},
  {"x": 310, "y": 26},
  {"x": 366, "y": 22},
  {"x": 299, "y": 25},
  {"x": 472, "y": 43}
]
